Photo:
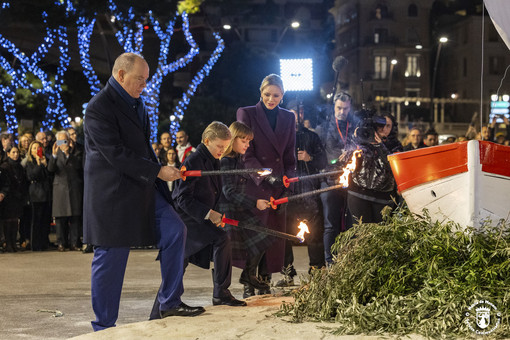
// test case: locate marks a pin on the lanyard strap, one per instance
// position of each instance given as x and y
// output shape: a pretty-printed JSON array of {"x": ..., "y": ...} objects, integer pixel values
[{"x": 340, "y": 132}]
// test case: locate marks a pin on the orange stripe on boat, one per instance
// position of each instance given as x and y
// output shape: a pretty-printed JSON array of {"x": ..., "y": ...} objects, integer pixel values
[
  {"x": 495, "y": 158},
  {"x": 419, "y": 166}
]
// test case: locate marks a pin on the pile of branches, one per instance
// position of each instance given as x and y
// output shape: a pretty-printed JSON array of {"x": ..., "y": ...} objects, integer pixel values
[{"x": 410, "y": 275}]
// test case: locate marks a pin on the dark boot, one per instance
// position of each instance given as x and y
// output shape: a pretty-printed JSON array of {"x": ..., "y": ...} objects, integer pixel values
[
  {"x": 248, "y": 291},
  {"x": 249, "y": 276}
]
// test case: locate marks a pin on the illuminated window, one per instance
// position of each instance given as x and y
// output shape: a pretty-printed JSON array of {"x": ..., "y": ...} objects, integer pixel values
[
  {"x": 413, "y": 66},
  {"x": 380, "y": 67}
]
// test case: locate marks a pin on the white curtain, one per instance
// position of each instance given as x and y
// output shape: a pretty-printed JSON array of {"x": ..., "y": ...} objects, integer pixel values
[{"x": 499, "y": 10}]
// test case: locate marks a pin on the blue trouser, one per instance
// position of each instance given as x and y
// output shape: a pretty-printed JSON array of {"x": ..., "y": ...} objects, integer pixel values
[
  {"x": 336, "y": 217},
  {"x": 109, "y": 265}
]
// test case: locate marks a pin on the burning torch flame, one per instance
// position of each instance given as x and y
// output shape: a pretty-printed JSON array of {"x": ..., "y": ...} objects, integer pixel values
[
  {"x": 348, "y": 169},
  {"x": 303, "y": 228},
  {"x": 265, "y": 172}
]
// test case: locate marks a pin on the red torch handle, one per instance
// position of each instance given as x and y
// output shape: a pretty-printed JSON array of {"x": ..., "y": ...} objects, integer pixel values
[
  {"x": 274, "y": 203},
  {"x": 230, "y": 221},
  {"x": 287, "y": 181},
  {"x": 189, "y": 173},
  {"x": 193, "y": 173}
]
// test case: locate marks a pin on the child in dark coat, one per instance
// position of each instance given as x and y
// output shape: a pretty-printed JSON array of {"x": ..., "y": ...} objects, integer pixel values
[
  {"x": 248, "y": 246},
  {"x": 195, "y": 201}
]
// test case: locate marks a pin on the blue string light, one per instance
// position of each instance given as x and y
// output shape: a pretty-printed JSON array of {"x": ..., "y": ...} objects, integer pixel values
[
  {"x": 129, "y": 36},
  {"x": 199, "y": 77},
  {"x": 24, "y": 65}
]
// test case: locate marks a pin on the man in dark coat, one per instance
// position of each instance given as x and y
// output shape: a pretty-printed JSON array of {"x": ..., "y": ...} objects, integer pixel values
[
  {"x": 126, "y": 201},
  {"x": 336, "y": 136},
  {"x": 67, "y": 192}
]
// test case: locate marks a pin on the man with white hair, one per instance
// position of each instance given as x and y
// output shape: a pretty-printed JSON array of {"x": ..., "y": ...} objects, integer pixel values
[
  {"x": 67, "y": 192},
  {"x": 126, "y": 200}
]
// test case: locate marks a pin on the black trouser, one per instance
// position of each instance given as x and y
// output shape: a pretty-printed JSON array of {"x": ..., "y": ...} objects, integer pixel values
[
  {"x": 67, "y": 230},
  {"x": 368, "y": 211},
  {"x": 10, "y": 232},
  {"x": 25, "y": 223},
  {"x": 40, "y": 226}
]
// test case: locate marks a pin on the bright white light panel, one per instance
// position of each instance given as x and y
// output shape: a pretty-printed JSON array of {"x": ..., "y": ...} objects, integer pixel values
[{"x": 297, "y": 74}]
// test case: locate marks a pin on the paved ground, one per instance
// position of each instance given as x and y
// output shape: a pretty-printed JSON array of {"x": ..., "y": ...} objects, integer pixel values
[{"x": 37, "y": 287}]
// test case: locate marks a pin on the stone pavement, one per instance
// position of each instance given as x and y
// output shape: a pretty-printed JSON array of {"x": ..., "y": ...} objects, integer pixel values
[{"x": 46, "y": 295}]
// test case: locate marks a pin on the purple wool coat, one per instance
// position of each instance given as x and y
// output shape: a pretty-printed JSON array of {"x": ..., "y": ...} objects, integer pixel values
[{"x": 276, "y": 150}]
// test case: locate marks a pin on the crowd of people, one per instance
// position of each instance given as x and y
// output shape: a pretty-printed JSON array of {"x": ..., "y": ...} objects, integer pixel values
[
  {"x": 41, "y": 190},
  {"x": 116, "y": 192}
]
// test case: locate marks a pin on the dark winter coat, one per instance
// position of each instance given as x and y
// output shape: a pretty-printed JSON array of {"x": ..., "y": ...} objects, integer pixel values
[
  {"x": 193, "y": 198},
  {"x": 39, "y": 189},
  {"x": 120, "y": 173},
  {"x": 17, "y": 195},
  {"x": 67, "y": 184},
  {"x": 334, "y": 145},
  {"x": 237, "y": 204}
]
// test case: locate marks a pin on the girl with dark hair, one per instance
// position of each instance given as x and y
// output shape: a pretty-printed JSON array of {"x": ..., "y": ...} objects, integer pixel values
[{"x": 372, "y": 186}]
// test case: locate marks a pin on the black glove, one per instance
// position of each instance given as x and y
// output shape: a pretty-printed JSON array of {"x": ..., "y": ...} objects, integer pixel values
[{"x": 274, "y": 180}]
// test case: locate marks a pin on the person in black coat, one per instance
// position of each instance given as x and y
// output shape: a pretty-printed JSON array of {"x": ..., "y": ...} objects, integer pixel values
[
  {"x": 248, "y": 246},
  {"x": 12, "y": 205},
  {"x": 311, "y": 158},
  {"x": 39, "y": 191},
  {"x": 336, "y": 136},
  {"x": 126, "y": 202},
  {"x": 67, "y": 191},
  {"x": 196, "y": 199},
  {"x": 371, "y": 185}
]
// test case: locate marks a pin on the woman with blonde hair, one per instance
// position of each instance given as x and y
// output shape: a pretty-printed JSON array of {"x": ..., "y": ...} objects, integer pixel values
[
  {"x": 273, "y": 146},
  {"x": 39, "y": 191},
  {"x": 248, "y": 246}
]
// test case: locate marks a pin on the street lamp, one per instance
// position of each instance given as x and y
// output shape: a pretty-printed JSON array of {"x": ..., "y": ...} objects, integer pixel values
[
  {"x": 294, "y": 24},
  {"x": 393, "y": 62},
  {"x": 442, "y": 40}
]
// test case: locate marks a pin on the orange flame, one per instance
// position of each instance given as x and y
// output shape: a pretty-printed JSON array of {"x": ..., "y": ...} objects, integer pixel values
[
  {"x": 265, "y": 172},
  {"x": 303, "y": 228},
  {"x": 348, "y": 169}
]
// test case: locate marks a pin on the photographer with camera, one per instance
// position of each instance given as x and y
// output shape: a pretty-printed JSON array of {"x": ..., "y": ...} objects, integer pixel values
[
  {"x": 336, "y": 136},
  {"x": 372, "y": 186},
  {"x": 67, "y": 191}
]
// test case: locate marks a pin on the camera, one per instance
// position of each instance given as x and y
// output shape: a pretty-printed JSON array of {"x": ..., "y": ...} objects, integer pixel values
[
  {"x": 367, "y": 123},
  {"x": 61, "y": 142}
]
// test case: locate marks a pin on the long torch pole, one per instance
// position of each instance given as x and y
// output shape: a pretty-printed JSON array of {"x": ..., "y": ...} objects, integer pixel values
[
  {"x": 267, "y": 231},
  {"x": 274, "y": 203}
]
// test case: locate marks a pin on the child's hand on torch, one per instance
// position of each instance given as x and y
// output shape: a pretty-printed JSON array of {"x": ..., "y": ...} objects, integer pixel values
[{"x": 263, "y": 204}]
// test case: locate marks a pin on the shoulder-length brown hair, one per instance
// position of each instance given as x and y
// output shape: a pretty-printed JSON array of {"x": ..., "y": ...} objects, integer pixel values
[{"x": 238, "y": 130}]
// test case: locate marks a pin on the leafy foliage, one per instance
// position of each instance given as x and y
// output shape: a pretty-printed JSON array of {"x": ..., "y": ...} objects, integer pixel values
[{"x": 409, "y": 275}]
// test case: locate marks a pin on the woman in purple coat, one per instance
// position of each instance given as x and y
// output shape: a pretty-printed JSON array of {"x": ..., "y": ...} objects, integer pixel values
[{"x": 273, "y": 146}]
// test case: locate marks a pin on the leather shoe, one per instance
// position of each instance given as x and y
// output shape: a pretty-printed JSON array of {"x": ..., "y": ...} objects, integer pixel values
[
  {"x": 228, "y": 301},
  {"x": 182, "y": 310}
]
